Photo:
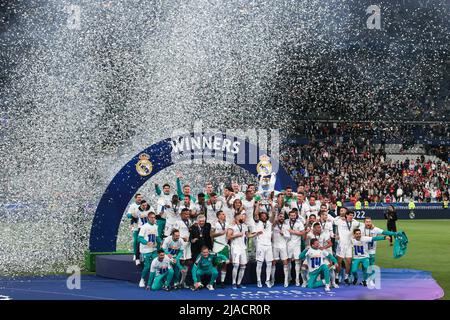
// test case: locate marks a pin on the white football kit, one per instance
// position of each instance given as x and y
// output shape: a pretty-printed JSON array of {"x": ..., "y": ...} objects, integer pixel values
[
  {"x": 264, "y": 244},
  {"x": 281, "y": 236},
  {"x": 294, "y": 242},
  {"x": 238, "y": 245}
]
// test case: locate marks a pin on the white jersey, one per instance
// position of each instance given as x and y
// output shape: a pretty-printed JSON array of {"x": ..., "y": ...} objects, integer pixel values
[
  {"x": 163, "y": 200},
  {"x": 173, "y": 247},
  {"x": 372, "y": 246},
  {"x": 212, "y": 210},
  {"x": 323, "y": 238},
  {"x": 183, "y": 227},
  {"x": 316, "y": 258},
  {"x": 303, "y": 209},
  {"x": 160, "y": 267},
  {"x": 327, "y": 226},
  {"x": 264, "y": 239},
  {"x": 361, "y": 247},
  {"x": 239, "y": 243},
  {"x": 228, "y": 209},
  {"x": 221, "y": 241},
  {"x": 297, "y": 226},
  {"x": 191, "y": 206},
  {"x": 172, "y": 213},
  {"x": 345, "y": 230},
  {"x": 249, "y": 207},
  {"x": 142, "y": 216},
  {"x": 281, "y": 235},
  {"x": 315, "y": 209},
  {"x": 133, "y": 210},
  {"x": 149, "y": 232}
]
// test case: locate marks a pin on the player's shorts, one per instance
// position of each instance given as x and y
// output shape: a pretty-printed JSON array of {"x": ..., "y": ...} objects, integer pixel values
[
  {"x": 226, "y": 252},
  {"x": 344, "y": 250},
  {"x": 293, "y": 251},
  {"x": 264, "y": 253},
  {"x": 280, "y": 253},
  {"x": 239, "y": 256},
  {"x": 186, "y": 252}
]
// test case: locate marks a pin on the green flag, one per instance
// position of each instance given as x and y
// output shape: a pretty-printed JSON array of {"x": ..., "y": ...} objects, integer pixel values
[{"x": 400, "y": 245}]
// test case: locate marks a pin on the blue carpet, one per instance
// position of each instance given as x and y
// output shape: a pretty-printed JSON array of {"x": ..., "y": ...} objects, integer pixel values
[{"x": 395, "y": 284}]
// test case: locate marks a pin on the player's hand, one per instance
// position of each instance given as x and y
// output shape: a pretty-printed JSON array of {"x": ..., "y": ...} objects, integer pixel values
[
  {"x": 169, "y": 256},
  {"x": 167, "y": 206},
  {"x": 197, "y": 285},
  {"x": 150, "y": 244},
  {"x": 179, "y": 174},
  {"x": 194, "y": 240},
  {"x": 259, "y": 232}
]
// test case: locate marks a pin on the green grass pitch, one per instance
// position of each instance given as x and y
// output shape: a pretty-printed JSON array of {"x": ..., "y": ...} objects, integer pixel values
[{"x": 428, "y": 249}]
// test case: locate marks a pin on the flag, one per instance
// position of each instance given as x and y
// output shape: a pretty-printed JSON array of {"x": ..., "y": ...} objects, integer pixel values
[{"x": 400, "y": 245}]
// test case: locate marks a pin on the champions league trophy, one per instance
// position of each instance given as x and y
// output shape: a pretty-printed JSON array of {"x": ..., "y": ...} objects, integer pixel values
[{"x": 267, "y": 179}]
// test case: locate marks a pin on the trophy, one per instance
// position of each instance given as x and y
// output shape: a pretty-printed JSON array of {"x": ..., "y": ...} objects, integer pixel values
[{"x": 267, "y": 179}]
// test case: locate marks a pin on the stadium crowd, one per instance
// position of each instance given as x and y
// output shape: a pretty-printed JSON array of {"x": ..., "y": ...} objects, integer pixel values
[{"x": 340, "y": 161}]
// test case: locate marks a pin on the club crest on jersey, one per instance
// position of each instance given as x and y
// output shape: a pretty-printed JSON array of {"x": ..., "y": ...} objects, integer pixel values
[
  {"x": 144, "y": 166},
  {"x": 264, "y": 167}
]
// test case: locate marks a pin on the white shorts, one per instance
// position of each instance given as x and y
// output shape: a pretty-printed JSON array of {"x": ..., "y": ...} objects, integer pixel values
[
  {"x": 280, "y": 253},
  {"x": 293, "y": 251},
  {"x": 344, "y": 250},
  {"x": 239, "y": 256},
  {"x": 186, "y": 252},
  {"x": 264, "y": 253}
]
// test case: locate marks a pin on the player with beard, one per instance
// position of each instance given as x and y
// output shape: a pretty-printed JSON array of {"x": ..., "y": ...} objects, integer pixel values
[
  {"x": 317, "y": 261},
  {"x": 237, "y": 234},
  {"x": 344, "y": 249},
  {"x": 325, "y": 243},
  {"x": 264, "y": 251},
  {"x": 183, "y": 225},
  {"x": 369, "y": 230},
  {"x": 213, "y": 205},
  {"x": 173, "y": 247},
  {"x": 220, "y": 243},
  {"x": 229, "y": 198},
  {"x": 280, "y": 237},
  {"x": 297, "y": 231}
]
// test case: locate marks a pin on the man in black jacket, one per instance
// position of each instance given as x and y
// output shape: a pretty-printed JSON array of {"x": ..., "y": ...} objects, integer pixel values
[
  {"x": 200, "y": 235},
  {"x": 391, "y": 217}
]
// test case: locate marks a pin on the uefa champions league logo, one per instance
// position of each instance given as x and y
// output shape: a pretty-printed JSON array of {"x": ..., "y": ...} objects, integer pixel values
[{"x": 277, "y": 294}]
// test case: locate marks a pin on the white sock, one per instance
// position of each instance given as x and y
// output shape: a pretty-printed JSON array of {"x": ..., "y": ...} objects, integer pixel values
[
  {"x": 183, "y": 277},
  {"x": 286, "y": 273},
  {"x": 297, "y": 271},
  {"x": 241, "y": 274},
  {"x": 345, "y": 276},
  {"x": 223, "y": 274},
  {"x": 304, "y": 276},
  {"x": 290, "y": 270},
  {"x": 268, "y": 270},
  {"x": 273, "y": 269},
  {"x": 332, "y": 276},
  {"x": 235, "y": 272},
  {"x": 258, "y": 270}
]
